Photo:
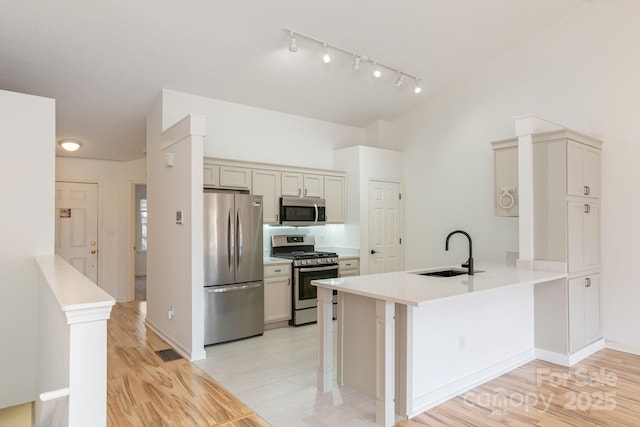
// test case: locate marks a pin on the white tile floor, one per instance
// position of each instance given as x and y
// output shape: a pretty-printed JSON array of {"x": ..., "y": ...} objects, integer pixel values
[{"x": 275, "y": 375}]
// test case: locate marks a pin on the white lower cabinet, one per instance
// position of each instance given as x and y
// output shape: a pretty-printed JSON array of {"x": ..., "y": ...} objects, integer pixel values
[
  {"x": 584, "y": 311},
  {"x": 348, "y": 267},
  {"x": 277, "y": 292}
]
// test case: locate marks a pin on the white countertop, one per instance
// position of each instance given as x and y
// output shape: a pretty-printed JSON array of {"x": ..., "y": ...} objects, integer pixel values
[
  {"x": 275, "y": 260},
  {"x": 416, "y": 290}
]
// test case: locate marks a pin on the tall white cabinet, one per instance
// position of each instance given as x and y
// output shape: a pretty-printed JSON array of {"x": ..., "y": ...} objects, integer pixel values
[{"x": 566, "y": 190}]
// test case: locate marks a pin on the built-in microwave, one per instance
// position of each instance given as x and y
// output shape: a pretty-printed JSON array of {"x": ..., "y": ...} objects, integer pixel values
[{"x": 302, "y": 211}]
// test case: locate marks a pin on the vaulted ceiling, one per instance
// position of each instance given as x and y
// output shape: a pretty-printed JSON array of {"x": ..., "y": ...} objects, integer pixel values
[{"x": 105, "y": 62}]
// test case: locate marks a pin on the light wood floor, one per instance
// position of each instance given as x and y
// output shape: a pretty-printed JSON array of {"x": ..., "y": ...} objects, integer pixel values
[
  {"x": 602, "y": 390},
  {"x": 143, "y": 390}
]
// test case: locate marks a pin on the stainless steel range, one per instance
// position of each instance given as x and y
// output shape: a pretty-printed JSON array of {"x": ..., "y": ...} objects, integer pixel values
[{"x": 308, "y": 265}]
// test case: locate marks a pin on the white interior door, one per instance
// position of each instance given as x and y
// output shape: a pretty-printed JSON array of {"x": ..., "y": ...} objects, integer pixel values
[
  {"x": 384, "y": 227},
  {"x": 76, "y": 219}
]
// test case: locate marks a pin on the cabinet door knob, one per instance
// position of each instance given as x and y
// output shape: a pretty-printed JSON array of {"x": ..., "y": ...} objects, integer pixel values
[
  {"x": 277, "y": 271},
  {"x": 305, "y": 191},
  {"x": 299, "y": 191},
  {"x": 587, "y": 282},
  {"x": 587, "y": 190},
  {"x": 587, "y": 208},
  {"x": 93, "y": 251}
]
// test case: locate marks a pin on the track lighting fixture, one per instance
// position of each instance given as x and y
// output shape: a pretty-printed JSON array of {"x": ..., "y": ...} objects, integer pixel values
[
  {"x": 325, "y": 56},
  {"x": 356, "y": 63},
  {"x": 416, "y": 86},
  {"x": 376, "y": 69},
  {"x": 293, "y": 46}
]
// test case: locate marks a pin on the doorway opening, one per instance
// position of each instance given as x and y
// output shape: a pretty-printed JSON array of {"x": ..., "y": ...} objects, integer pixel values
[{"x": 140, "y": 245}]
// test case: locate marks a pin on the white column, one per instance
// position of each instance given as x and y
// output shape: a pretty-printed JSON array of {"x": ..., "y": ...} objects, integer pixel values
[
  {"x": 526, "y": 126},
  {"x": 385, "y": 364},
  {"x": 88, "y": 366},
  {"x": 325, "y": 316}
]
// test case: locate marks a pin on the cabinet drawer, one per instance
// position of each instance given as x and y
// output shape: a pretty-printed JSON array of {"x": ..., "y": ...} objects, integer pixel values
[
  {"x": 277, "y": 270},
  {"x": 348, "y": 264}
]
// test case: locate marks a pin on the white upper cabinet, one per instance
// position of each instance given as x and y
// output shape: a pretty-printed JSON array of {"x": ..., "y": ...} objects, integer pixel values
[
  {"x": 211, "y": 177},
  {"x": 292, "y": 184},
  {"x": 335, "y": 195},
  {"x": 233, "y": 177},
  {"x": 302, "y": 185},
  {"x": 583, "y": 170},
  {"x": 313, "y": 186},
  {"x": 267, "y": 184},
  {"x": 274, "y": 181},
  {"x": 505, "y": 177}
]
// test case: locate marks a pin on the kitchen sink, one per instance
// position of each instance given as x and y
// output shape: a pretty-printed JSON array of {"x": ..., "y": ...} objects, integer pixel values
[{"x": 447, "y": 273}]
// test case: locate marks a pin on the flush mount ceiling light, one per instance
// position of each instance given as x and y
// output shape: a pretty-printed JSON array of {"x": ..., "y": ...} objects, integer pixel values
[
  {"x": 69, "y": 145},
  {"x": 376, "y": 69}
]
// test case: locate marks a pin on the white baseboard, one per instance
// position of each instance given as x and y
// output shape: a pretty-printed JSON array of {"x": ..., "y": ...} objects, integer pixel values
[
  {"x": 429, "y": 400},
  {"x": 569, "y": 359},
  {"x": 184, "y": 352},
  {"x": 614, "y": 345}
]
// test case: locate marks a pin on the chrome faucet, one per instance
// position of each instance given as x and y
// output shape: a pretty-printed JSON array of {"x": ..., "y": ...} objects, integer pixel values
[{"x": 469, "y": 263}]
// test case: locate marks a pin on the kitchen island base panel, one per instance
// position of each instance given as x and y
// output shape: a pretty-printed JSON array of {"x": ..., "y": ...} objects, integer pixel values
[
  {"x": 569, "y": 360},
  {"x": 325, "y": 338},
  {"x": 385, "y": 363},
  {"x": 437, "y": 351}
]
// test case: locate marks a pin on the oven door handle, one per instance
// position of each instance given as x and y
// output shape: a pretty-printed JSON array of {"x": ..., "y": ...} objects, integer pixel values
[{"x": 312, "y": 269}]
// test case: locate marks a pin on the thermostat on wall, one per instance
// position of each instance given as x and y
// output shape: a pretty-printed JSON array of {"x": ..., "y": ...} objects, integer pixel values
[{"x": 179, "y": 217}]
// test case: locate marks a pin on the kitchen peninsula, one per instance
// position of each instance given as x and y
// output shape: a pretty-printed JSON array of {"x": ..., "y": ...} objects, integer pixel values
[{"x": 413, "y": 341}]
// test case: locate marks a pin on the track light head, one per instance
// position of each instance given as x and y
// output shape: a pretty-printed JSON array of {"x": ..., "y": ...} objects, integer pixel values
[
  {"x": 376, "y": 71},
  {"x": 293, "y": 46},
  {"x": 416, "y": 87},
  {"x": 356, "y": 63},
  {"x": 376, "y": 67},
  {"x": 325, "y": 56}
]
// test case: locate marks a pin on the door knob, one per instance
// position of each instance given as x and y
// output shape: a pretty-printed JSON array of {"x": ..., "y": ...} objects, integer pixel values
[
  {"x": 373, "y": 251},
  {"x": 93, "y": 251}
]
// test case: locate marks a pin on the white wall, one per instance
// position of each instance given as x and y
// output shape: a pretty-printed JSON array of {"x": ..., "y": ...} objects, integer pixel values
[
  {"x": 175, "y": 271},
  {"x": 582, "y": 73},
  {"x": 362, "y": 164},
  {"x": 115, "y": 181},
  {"x": 241, "y": 132},
  {"x": 27, "y": 135}
]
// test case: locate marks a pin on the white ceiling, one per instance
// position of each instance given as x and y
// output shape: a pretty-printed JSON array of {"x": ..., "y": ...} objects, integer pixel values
[{"x": 105, "y": 62}]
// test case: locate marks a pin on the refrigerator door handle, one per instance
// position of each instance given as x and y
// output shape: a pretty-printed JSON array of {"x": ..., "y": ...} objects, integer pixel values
[
  {"x": 240, "y": 239},
  {"x": 218, "y": 289},
  {"x": 230, "y": 241}
]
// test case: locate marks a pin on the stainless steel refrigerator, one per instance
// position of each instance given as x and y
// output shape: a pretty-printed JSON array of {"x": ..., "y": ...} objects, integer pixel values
[{"x": 233, "y": 266}]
